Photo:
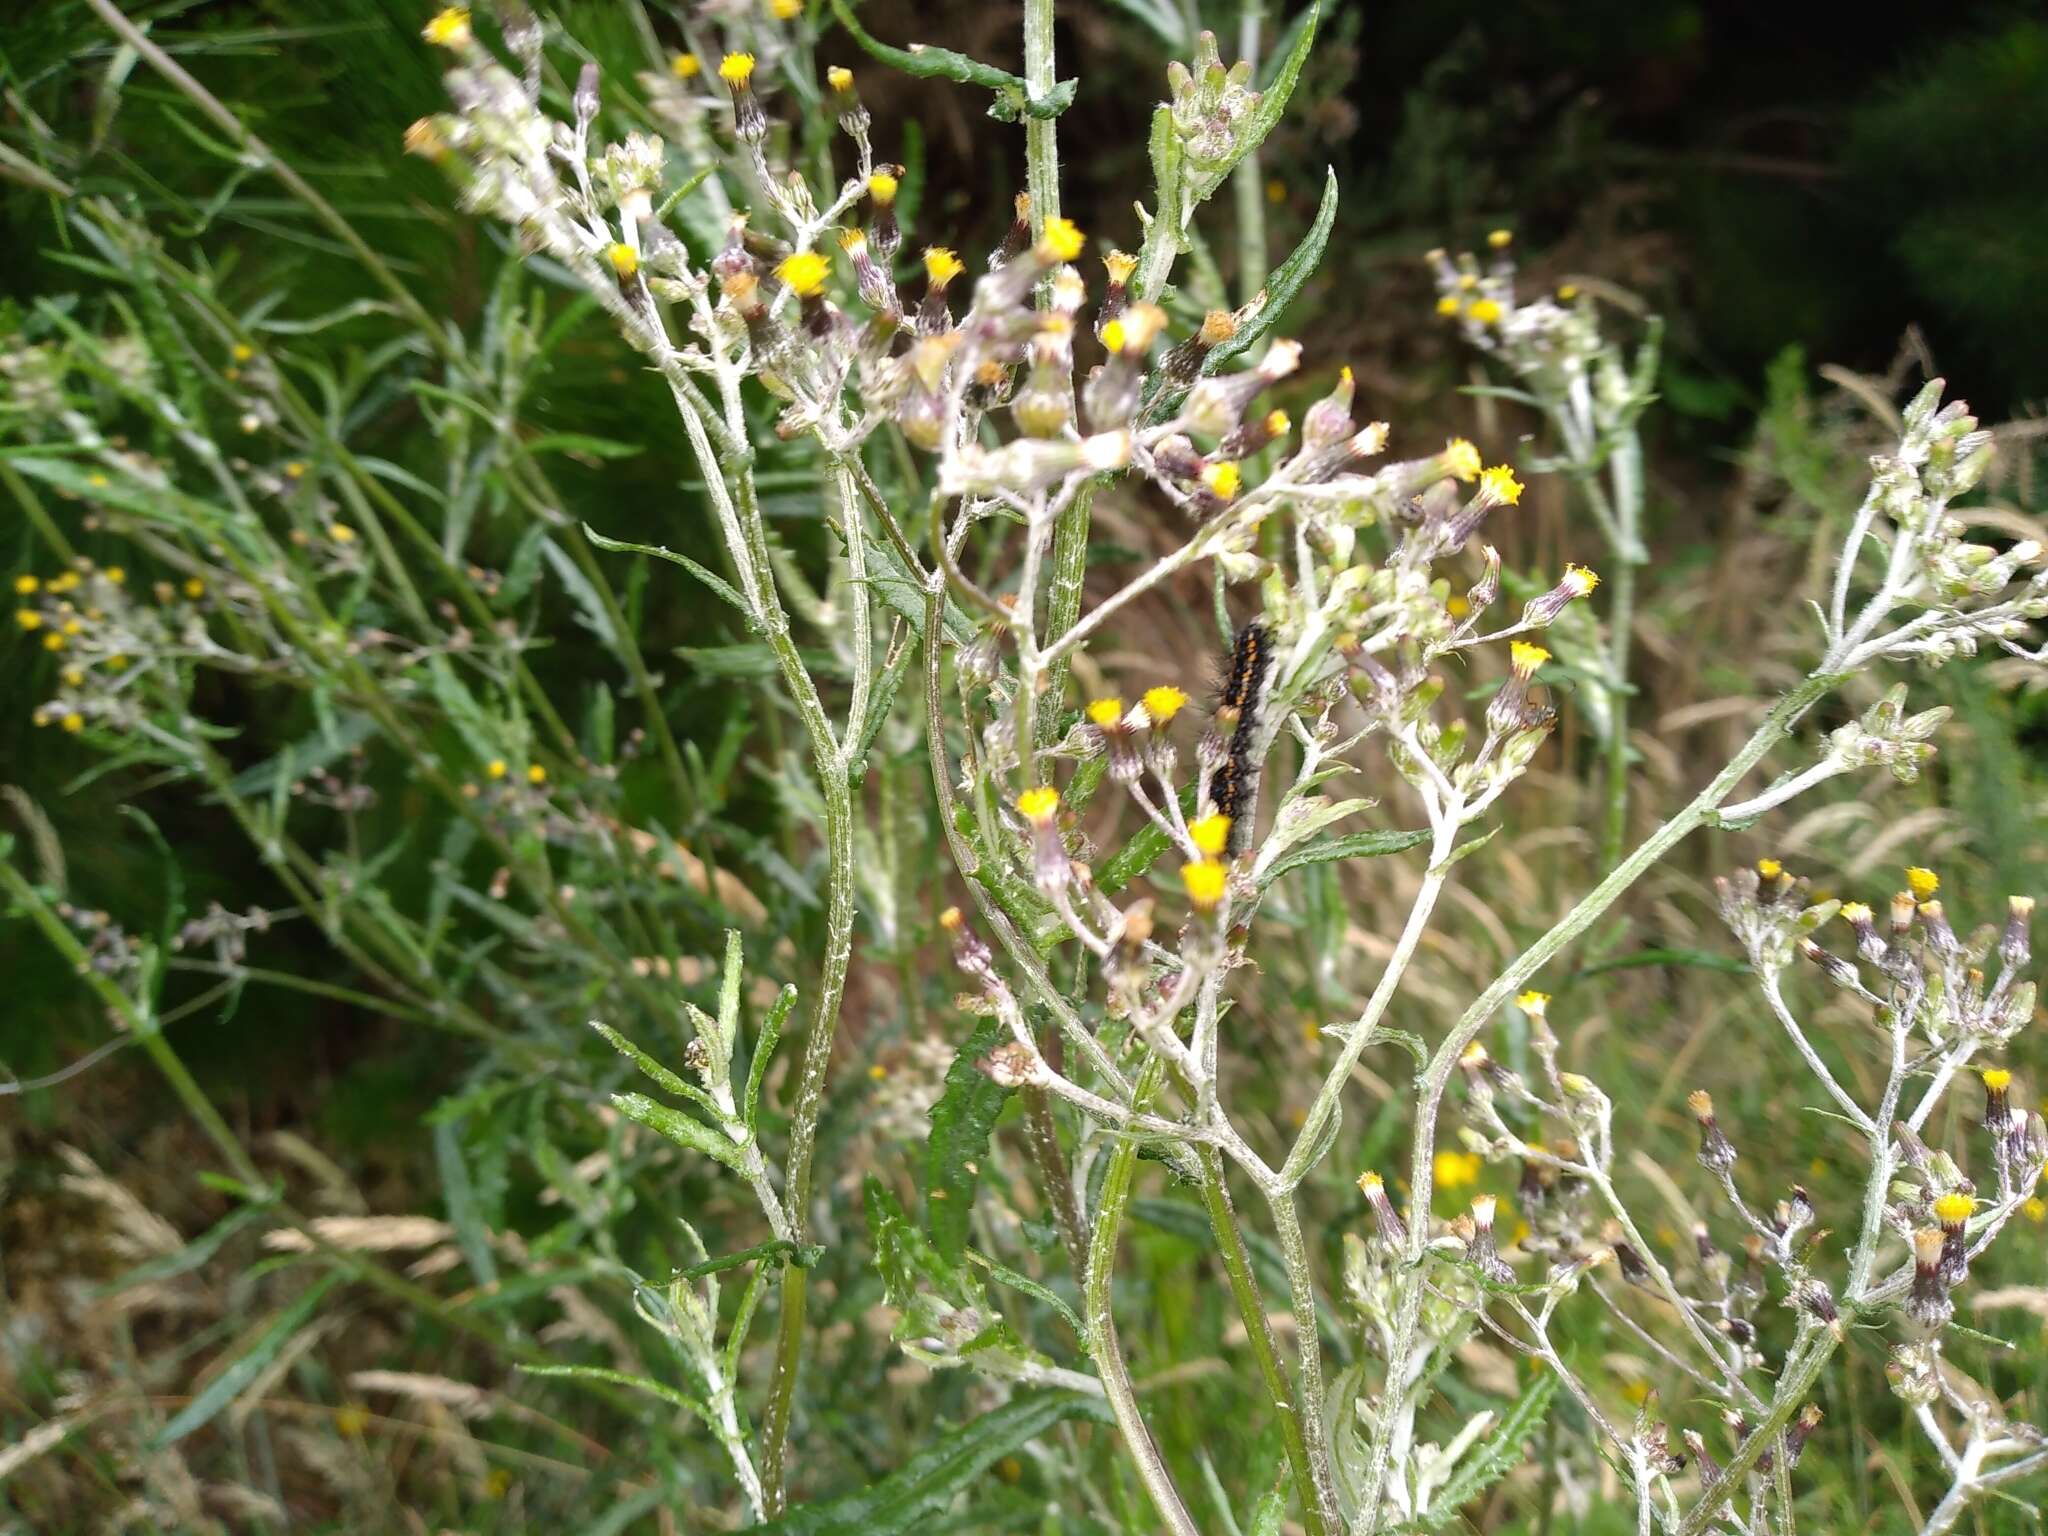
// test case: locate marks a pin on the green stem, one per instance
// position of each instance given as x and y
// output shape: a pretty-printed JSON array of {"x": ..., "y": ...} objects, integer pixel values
[
  {"x": 1244, "y": 1290},
  {"x": 1620, "y": 621},
  {"x": 1247, "y": 185}
]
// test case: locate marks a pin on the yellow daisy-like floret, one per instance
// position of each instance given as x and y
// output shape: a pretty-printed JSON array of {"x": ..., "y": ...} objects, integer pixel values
[
  {"x": 495, "y": 768},
  {"x": 685, "y": 66},
  {"x": 1449, "y": 305},
  {"x": 341, "y": 533},
  {"x": 1770, "y": 869},
  {"x": 785, "y": 10},
  {"x": 1566, "y": 292},
  {"x": 1223, "y": 479},
  {"x": 1582, "y": 579},
  {"x": 1105, "y": 712},
  {"x": 1526, "y": 658},
  {"x": 536, "y": 774},
  {"x": 1485, "y": 311},
  {"x": 1997, "y": 1079},
  {"x": 942, "y": 265},
  {"x": 73, "y": 722},
  {"x": 1211, "y": 833},
  {"x": 1533, "y": 1002},
  {"x": 805, "y": 273},
  {"x": 1953, "y": 1208},
  {"x": 1499, "y": 239},
  {"x": 449, "y": 28},
  {"x": 839, "y": 77},
  {"x": 1205, "y": 880},
  {"x": 1922, "y": 882},
  {"x": 28, "y": 618},
  {"x": 1370, "y": 1182},
  {"x": 1500, "y": 483},
  {"x": 882, "y": 187},
  {"x": 1461, "y": 460},
  {"x": 1279, "y": 423},
  {"x": 1163, "y": 703},
  {"x": 736, "y": 69},
  {"x": 1855, "y": 912},
  {"x": 624, "y": 259},
  {"x": 1063, "y": 239},
  {"x": 26, "y": 585},
  {"x": 194, "y": 587},
  {"x": 1039, "y": 805},
  {"x": 1113, "y": 336},
  {"x": 1120, "y": 265},
  {"x": 1453, "y": 1170}
]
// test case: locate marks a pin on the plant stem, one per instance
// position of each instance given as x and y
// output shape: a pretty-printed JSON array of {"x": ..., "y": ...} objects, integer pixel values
[
  {"x": 1244, "y": 1290},
  {"x": 1620, "y": 621},
  {"x": 1103, "y": 1346},
  {"x": 1247, "y": 185}
]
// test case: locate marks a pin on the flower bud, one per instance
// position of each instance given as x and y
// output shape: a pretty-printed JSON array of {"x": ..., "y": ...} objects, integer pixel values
[{"x": 1717, "y": 1153}]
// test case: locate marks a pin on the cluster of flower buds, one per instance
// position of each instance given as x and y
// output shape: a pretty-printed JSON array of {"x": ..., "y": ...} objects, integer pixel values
[
  {"x": 1885, "y": 736},
  {"x": 1553, "y": 343},
  {"x": 1765, "y": 907},
  {"x": 106, "y": 637},
  {"x": 1474, "y": 1230}
]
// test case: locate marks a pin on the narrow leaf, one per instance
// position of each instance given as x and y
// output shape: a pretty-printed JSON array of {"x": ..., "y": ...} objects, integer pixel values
[
  {"x": 961, "y": 1121},
  {"x": 228, "y": 1384},
  {"x": 1355, "y": 845},
  {"x": 680, "y": 1128}
]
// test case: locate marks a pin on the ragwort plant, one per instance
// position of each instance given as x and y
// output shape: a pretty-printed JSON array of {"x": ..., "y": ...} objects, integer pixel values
[{"x": 1121, "y": 848}]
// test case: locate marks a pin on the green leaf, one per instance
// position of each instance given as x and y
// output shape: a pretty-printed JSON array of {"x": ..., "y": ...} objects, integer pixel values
[
  {"x": 1355, "y": 845},
  {"x": 1493, "y": 1458},
  {"x": 1030, "y": 1287},
  {"x": 802, "y": 1257},
  {"x": 925, "y": 1486},
  {"x": 573, "y": 443},
  {"x": 716, "y": 583},
  {"x": 1691, "y": 959},
  {"x": 479, "y": 733},
  {"x": 667, "y": 1394},
  {"x": 227, "y": 1385},
  {"x": 190, "y": 1257},
  {"x": 764, "y": 1050},
  {"x": 458, "y": 1192},
  {"x": 1013, "y": 94},
  {"x": 680, "y": 1128},
  {"x": 961, "y": 1121}
]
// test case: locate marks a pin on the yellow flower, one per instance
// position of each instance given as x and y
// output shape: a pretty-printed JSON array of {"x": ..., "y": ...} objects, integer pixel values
[
  {"x": 26, "y": 585},
  {"x": 536, "y": 774},
  {"x": 117, "y": 663},
  {"x": 1105, "y": 712},
  {"x": 1924, "y": 882},
  {"x": 194, "y": 587},
  {"x": 1113, "y": 336},
  {"x": 1163, "y": 703},
  {"x": 736, "y": 69},
  {"x": 882, "y": 187},
  {"x": 1499, "y": 239},
  {"x": 1461, "y": 460},
  {"x": 1567, "y": 292},
  {"x": 1454, "y": 1170},
  {"x": 1449, "y": 305},
  {"x": 1119, "y": 265},
  {"x": 685, "y": 66},
  {"x": 1063, "y": 238},
  {"x": 242, "y": 351},
  {"x": 450, "y": 28},
  {"x": 1205, "y": 880},
  {"x": 941, "y": 265},
  {"x": 1500, "y": 483},
  {"x": 28, "y": 618},
  {"x": 115, "y": 574},
  {"x": 1953, "y": 1208},
  {"x": 805, "y": 273},
  {"x": 2036, "y": 1209},
  {"x": 73, "y": 722},
  {"x": 1457, "y": 607},
  {"x": 624, "y": 259},
  {"x": 1997, "y": 1079},
  {"x": 1039, "y": 805},
  {"x": 785, "y": 10},
  {"x": 1485, "y": 311},
  {"x": 839, "y": 77},
  {"x": 341, "y": 533},
  {"x": 1223, "y": 478},
  {"x": 1211, "y": 833},
  {"x": 1582, "y": 579},
  {"x": 1533, "y": 1002},
  {"x": 1526, "y": 658},
  {"x": 1770, "y": 869},
  {"x": 1279, "y": 423},
  {"x": 495, "y": 768},
  {"x": 53, "y": 641}
]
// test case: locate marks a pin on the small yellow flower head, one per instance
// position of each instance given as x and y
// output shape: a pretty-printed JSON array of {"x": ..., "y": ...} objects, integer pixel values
[
  {"x": 1953, "y": 1208},
  {"x": 1461, "y": 460},
  {"x": 28, "y": 618},
  {"x": 1063, "y": 239},
  {"x": 1163, "y": 703},
  {"x": 624, "y": 259},
  {"x": 1769, "y": 869},
  {"x": 536, "y": 774},
  {"x": 1533, "y": 1003},
  {"x": 449, "y": 28},
  {"x": 1211, "y": 833},
  {"x": 736, "y": 70},
  {"x": 1105, "y": 713},
  {"x": 952, "y": 919},
  {"x": 26, "y": 585},
  {"x": 74, "y": 677},
  {"x": 1855, "y": 913},
  {"x": 73, "y": 722},
  {"x": 1581, "y": 579},
  {"x": 1454, "y": 1170},
  {"x": 1923, "y": 882},
  {"x": 1279, "y": 423},
  {"x": 941, "y": 265},
  {"x": 1039, "y": 806},
  {"x": 53, "y": 641},
  {"x": 1449, "y": 305},
  {"x": 117, "y": 576},
  {"x": 341, "y": 533},
  {"x": 194, "y": 587},
  {"x": 1223, "y": 479},
  {"x": 1485, "y": 311},
  {"x": 785, "y": 10},
  {"x": 1113, "y": 336},
  {"x": 2036, "y": 1209},
  {"x": 1370, "y": 1183},
  {"x": 877, "y": 1071},
  {"x": 117, "y": 663},
  {"x": 1997, "y": 1079},
  {"x": 1567, "y": 292},
  {"x": 1120, "y": 265},
  {"x": 1499, "y": 483},
  {"x": 1526, "y": 658},
  {"x": 495, "y": 768},
  {"x": 1500, "y": 239},
  {"x": 882, "y": 187},
  {"x": 839, "y": 78},
  {"x": 241, "y": 352},
  {"x": 1205, "y": 880},
  {"x": 685, "y": 66},
  {"x": 805, "y": 273}
]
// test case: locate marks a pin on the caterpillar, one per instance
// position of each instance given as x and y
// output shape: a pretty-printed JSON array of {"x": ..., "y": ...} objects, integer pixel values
[{"x": 1235, "y": 787}]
